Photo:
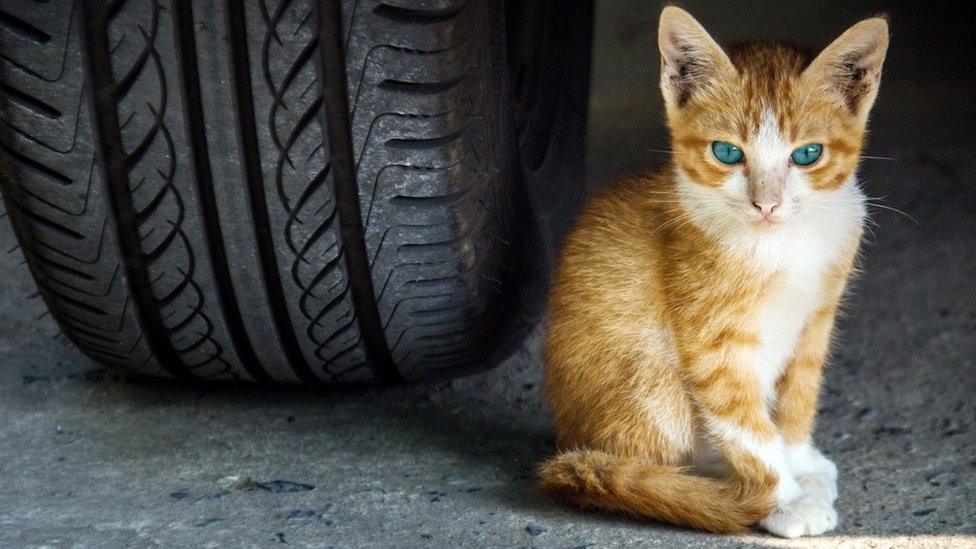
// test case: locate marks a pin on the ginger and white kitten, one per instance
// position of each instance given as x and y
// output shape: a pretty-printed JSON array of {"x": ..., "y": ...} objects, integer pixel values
[{"x": 692, "y": 310}]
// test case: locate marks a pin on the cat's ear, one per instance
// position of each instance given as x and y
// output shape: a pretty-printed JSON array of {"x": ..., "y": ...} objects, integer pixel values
[
  {"x": 690, "y": 58},
  {"x": 851, "y": 65}
]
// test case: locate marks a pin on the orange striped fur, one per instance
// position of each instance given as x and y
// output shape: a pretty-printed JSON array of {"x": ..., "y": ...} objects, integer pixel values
[{"x": 687, "y": 332}]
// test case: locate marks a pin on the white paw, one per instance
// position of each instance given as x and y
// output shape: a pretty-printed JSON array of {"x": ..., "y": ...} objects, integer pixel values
[
  {"x": 806, "y": 516},
  {"x": 819, "y": 486},
  {"x": 816, "y": 474},
  {"x": 787, "y": 489}
]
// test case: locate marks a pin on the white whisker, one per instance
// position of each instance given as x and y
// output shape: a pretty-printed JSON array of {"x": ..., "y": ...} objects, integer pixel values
[
  {"x": 896, "y": 210},
  {"x": 880, "y": 158}
]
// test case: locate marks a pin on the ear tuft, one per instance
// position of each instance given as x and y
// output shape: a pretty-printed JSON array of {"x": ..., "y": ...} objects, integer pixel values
[
  {"x": 690, "y": 57},
  {"x": 851, "y": 65}
]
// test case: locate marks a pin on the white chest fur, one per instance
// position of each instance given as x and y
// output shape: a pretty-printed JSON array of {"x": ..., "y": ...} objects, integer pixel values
[
  {"x": 798, "y": 259},
  {"x": 797, "y": 255},
  {"x": 782, "y": 316}
]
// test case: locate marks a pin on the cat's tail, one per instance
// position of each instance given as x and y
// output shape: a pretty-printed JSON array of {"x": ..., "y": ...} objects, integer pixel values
[{"x": 598, "y": 480}]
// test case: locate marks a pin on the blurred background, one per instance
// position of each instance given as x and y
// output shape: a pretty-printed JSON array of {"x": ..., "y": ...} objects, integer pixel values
[{"x": 94, "y": 458}]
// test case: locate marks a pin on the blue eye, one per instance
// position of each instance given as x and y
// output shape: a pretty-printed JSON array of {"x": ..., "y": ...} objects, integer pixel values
[
  {"x": 726, "y": 153},
  {"x": 807, "y": 154}
]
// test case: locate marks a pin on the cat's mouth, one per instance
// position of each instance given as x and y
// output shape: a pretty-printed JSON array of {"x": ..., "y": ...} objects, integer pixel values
[
  {"x": 778, "y": 217},
  {"x": 768, "y": 221}
]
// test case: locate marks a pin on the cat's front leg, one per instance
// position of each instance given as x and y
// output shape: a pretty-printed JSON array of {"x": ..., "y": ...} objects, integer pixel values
[
  {"x": 797, "y": 396},
  {"x": 729, "y": 398}
]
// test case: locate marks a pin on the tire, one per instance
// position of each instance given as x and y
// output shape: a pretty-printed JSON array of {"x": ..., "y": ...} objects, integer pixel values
[
  {"x": 549, "y": 58},
  {"x": 217, "y": 193}
]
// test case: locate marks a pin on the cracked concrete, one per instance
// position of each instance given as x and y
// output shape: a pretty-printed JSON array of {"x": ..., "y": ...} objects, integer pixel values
[{"x": 92, "y": 458}]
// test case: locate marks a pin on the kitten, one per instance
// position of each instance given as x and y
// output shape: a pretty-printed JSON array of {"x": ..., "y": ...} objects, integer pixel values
[{"x": 692, "y": 310}]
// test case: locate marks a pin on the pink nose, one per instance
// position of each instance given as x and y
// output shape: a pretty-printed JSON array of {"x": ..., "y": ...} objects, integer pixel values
[{"x": 766, "y": 208}]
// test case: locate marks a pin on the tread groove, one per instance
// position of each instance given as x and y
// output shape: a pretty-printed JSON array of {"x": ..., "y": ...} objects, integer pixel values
[
  {"x": 193, "y": 112},
  {"x": 426, "y": 143},
  {"x": 23, "y": 28},
  {"x": 347, "y": 190},
  {"x": 402, "y": 14},
  {"x": 28, "y": 101},
  {"x": 35, "y": 166},
  {"x": 247, "y": 128},
  {"x": 53, "y": 225},
  {"x": 420, "y": 88},
  {"x": 439, "y": 201},
  {"x": 96, "y": 52}
]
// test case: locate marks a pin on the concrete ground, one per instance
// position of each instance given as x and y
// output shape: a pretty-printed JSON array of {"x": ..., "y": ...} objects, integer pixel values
[{"x": 91, "y": 458}]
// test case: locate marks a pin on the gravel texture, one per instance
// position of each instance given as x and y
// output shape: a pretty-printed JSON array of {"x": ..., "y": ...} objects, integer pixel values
[{"x": 92, "y": 458}]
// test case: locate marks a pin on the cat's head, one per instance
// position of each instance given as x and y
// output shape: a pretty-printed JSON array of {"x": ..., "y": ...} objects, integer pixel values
[{"x": 759, "y": 131}]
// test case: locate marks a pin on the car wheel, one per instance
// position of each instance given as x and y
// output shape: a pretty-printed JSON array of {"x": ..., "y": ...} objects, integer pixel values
[{"x": 291, "y": 191}]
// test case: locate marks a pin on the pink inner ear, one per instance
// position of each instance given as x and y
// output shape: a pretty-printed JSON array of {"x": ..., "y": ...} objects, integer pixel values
[
  {"x": 690, "y": 58},
  {"x": 852, "y": 80},
  {"x": 851, "y": 64}
]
